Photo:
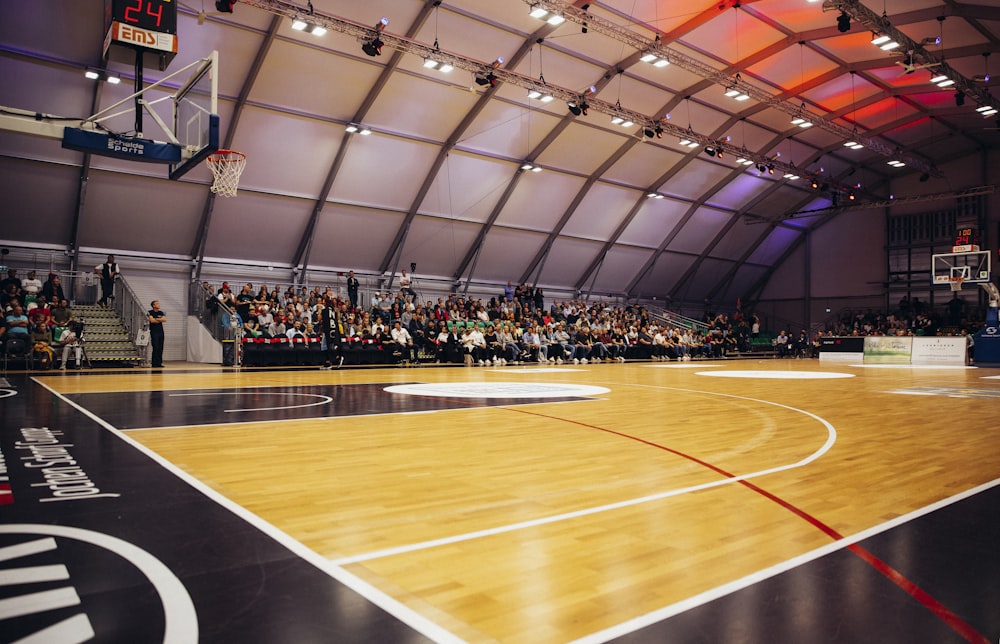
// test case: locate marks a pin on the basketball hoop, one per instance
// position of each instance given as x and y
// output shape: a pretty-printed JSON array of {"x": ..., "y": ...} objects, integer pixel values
[
  {"x": 956, "y": 283},
  {"x": 226, "y": 167}
]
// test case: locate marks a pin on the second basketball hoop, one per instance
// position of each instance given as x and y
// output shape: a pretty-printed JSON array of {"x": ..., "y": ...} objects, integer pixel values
[{"x": 226, "y": 167}]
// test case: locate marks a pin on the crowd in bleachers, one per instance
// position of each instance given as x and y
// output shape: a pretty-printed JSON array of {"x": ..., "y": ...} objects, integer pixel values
[
  {"x": 513, "y": 327},
  {"x": 37, "y": 317}
]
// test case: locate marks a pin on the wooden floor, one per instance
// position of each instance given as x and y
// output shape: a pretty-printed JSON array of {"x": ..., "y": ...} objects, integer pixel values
[{"x": 657, "y": 490}]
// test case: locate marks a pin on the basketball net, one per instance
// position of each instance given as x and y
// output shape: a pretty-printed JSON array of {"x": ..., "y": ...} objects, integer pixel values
[
  {"x": 226, "y": 167},
  {"x": 956, "y": 283}
]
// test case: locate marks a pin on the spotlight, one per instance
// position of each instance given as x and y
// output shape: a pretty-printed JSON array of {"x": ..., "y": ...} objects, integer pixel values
[
  {"x": 580, "y": 106},
  {"x": 815, "y": 184},
  {"x": 659, "y": 132},
  {"x": 843, "y": 22},
  {"x": 709, "y": 150},
  {"x": 648, "y": 132},
  {"x": 850, "y": 195},
  {"x": 225, "y": 6},
  {"x": 924, "y": 177},
  {"x": 959, "y": 98},
  {"x": 487, "y": 79},
  {"x": 374, "y": 46}
]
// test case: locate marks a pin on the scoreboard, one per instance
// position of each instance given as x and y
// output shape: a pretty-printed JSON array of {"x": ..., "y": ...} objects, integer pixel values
[{"x": 143, "y": 28}]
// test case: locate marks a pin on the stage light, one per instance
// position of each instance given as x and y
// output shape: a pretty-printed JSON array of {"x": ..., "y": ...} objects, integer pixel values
[
  {"x": 843, "y": 22},
  {"x": 299, "y": 25},
  {"x": 528, "y": 165},
  {"x": 925, "y": 177},
  {"x": 959, "y": 98},
  {"x": 225, "y": 6},
  {"x": 374, "y": 46}
]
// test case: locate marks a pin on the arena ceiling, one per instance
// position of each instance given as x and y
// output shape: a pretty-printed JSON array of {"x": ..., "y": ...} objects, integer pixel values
[{"x": 440, "y": 181}]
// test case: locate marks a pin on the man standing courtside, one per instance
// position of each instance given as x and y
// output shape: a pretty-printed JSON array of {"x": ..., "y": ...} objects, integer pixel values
[{"x": 156, "y": 319}]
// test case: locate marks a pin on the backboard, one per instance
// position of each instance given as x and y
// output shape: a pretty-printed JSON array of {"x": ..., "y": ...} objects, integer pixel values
[
  {"x": 973, "y": 267},
  {"x": 196, "y": 116}
]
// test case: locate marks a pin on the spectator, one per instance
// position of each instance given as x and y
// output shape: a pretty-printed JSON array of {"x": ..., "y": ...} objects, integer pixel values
[
  {"x": 17, "y": 322},
  {"x": 107, "y": 272},
  {"x": 52, "y": 289},
  {"x": 352, "y": 289},
  {"x": 156, "y": 319},
  {"x": 72, "y": 339},
  {"x": 31, "y": 287},
  {"x": 41, "y": 339}
]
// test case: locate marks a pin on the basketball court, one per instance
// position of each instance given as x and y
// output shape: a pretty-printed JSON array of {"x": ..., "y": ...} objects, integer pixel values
[{"x": 751, "y": 500}]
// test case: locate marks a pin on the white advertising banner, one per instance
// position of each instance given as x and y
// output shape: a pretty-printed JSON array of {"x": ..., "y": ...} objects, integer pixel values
[{"x": 939, "y": 350}]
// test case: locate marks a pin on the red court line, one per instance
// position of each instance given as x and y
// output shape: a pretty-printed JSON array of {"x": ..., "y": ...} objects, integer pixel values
[{"x": 940, "y": 610}]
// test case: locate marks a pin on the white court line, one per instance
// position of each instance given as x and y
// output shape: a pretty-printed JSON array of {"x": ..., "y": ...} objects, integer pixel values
[
  {"x": 376, "y": 596},
  {"x": 478, "y": 534},
  {"x": 323, "y": 400},
  {"x": 718, "y": 592}
]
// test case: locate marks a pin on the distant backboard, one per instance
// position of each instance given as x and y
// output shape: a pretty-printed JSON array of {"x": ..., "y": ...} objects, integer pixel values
[{"x": 973, "y": 268}]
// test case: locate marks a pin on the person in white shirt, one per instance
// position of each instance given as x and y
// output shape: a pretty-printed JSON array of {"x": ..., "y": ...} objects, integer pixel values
[
  {"x": 31, "y": 286},
  {"x": 403, "y": 338},
  {"x": 475, "y": 344}
]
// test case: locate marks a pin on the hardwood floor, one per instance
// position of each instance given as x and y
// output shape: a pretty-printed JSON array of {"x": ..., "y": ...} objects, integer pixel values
[{"x": 553, "y": 521}]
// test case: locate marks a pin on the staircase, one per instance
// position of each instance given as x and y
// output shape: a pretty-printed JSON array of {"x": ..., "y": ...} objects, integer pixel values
[{"x": 107, "y": 341}]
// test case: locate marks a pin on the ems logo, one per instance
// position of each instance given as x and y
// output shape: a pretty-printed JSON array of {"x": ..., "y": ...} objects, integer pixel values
[{"x": 63, "y": 584}]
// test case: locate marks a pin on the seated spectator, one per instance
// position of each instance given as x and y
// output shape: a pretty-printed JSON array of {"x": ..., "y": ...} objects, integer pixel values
[
  {"x": 72, "y": 339},
  {"x": 403, "y": 343},
  {"x": 52, "y": 289},
  {"x": 40, "y": 313},
  {"x": 17, "y": 322},
  {"x": 61, "y": 314},
  {"x": 782, "y": 344},
  {"x": 41, "y": 339}
]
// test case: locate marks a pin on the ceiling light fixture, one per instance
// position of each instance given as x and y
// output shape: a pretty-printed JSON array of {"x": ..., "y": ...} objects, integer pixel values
[
  {"x": 353, "y": 128},
  {"x": 102, "y": 74},
  {"x": 541, "y": 13},
  {"x": 654, "y": 56},
  {"x": 539, "y": 96},
  {"x": 528, "y": 165}
]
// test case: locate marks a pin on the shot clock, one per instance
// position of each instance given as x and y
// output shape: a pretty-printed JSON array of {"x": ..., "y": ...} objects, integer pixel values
[
  {"x": 966, "y": 241},
  {"x": 141, "y": 28}
]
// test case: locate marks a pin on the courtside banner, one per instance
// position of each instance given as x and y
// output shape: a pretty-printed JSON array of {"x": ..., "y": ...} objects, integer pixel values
[
  {"x": 888, "y": 349},
  {"x": 939, "y": 350}
]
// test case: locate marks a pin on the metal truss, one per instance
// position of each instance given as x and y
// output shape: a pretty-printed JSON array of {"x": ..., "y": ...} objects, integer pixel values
[
  {"x": 492, "y": 73},
  {"x": 575, "y": 14},
  {"x": 886, "y": 203}
]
